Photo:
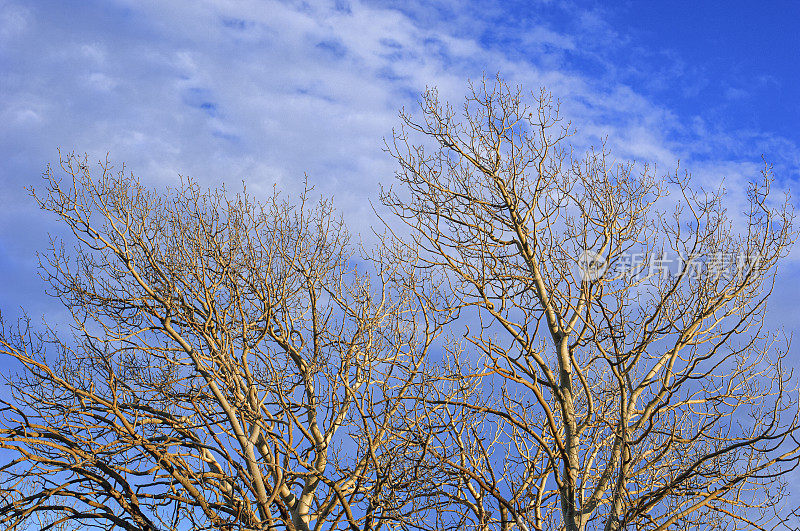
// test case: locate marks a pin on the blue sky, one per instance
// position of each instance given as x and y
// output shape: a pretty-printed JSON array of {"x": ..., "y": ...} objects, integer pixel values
[
  {"x": 267, "y": 91},
  {"x": 263, "y": 91}
]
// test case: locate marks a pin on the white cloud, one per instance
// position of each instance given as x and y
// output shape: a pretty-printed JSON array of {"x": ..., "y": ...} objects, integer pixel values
[
  {"x": 14, "y": 20},
  {"x": 100, "y": 82},
  {"x": 265, "y": 91}
]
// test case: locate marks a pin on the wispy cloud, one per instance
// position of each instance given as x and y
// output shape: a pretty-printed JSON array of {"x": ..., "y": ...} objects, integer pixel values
[{"x": 266, "y": 91}]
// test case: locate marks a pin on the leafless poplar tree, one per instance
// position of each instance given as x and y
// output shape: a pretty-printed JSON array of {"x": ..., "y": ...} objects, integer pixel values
[
  {"x": 594, "y": 391},
  {"x": 235, "y": 364},
  {"x": 229, "y": 366}
]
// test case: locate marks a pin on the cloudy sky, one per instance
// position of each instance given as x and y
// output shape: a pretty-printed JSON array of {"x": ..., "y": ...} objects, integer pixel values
[{"x": 267, "y": 91}]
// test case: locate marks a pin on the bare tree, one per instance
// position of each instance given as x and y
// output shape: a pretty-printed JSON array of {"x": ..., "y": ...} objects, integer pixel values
[
  {"x": 596, "y": 390},
  {"x": 229, "y": 367},
  {"x": 236, "y": 364}
]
